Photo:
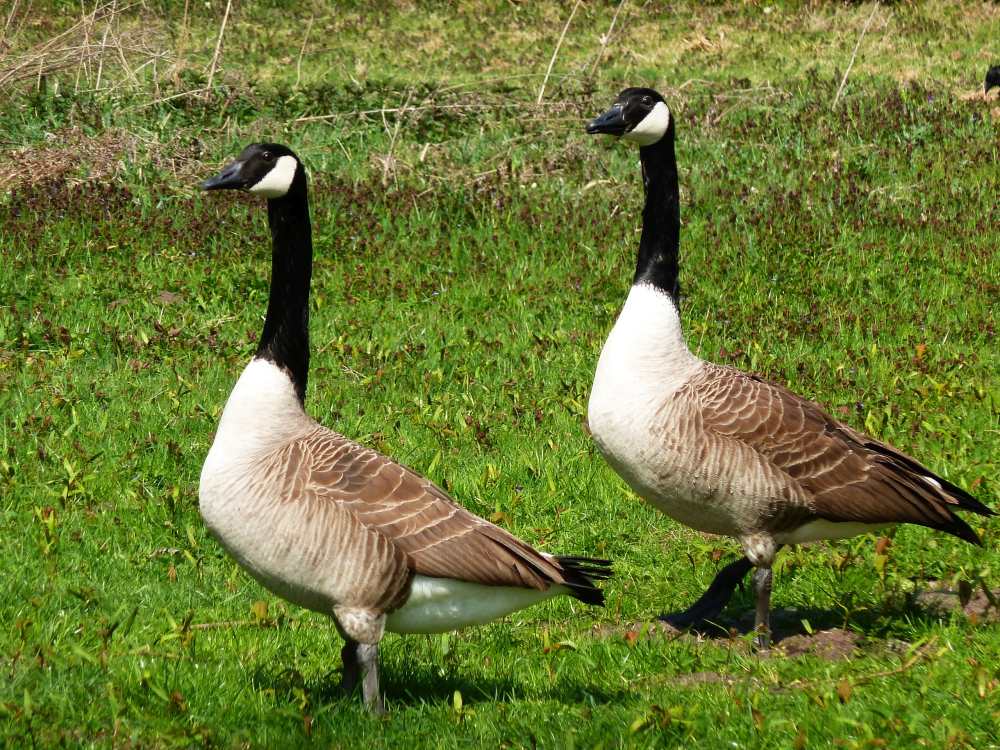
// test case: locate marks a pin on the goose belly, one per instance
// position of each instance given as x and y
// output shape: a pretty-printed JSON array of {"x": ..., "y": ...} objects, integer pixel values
[
  {"x": 438, "y": 605},
  {"x": 282, "y": 545},
  {"x": 647, "y": 448},
  {"x": 671, "y": 488}
]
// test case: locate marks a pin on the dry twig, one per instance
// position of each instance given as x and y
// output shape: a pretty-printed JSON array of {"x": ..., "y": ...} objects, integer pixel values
[
  {"x": 388, "y": 161},
  {"x": 298, "y": 64},
  {"x": 6, "y": 26},
  {"x": 606, "y": 37},
  {"x": 77, "y": 46},
  {"x": 843, "y": 81},
  {"x": 555, "y": 52},
  {"x": 218, "y": 45}
]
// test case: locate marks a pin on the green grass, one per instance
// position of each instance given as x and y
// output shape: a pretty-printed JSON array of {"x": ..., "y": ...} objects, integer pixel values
[{"x": 461, "y": 297}]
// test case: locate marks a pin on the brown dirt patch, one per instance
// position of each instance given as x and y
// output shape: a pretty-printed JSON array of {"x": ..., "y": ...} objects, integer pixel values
[
  {"x": 835, "y": 644},
  {"x": 830, "y": 644},
  {"x": 979, "y": 604},
  {"x": 703, "y": 678},
  {"x": 634, "y": 632}
]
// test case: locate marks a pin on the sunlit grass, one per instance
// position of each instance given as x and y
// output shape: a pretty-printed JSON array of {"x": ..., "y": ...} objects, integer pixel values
[{"x": 462, "y": 290}]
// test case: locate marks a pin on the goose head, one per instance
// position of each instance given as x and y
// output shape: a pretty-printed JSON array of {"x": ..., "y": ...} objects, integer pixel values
[
  {"x": 638, "y": 115},
  {"x": 266, "y": 169}
]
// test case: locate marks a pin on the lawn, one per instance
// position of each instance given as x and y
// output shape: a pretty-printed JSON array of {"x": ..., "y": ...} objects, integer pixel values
[{"x": 840, "y": 234}]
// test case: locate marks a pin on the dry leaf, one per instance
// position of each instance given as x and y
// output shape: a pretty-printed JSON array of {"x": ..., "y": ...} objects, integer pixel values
[
  {"x": 844, "y": 691},
  {"x": 882, "y": 545}
]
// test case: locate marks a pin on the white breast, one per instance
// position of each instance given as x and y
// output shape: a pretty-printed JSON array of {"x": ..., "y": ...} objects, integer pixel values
[
  {"x": 643, "y": 363},
  {"x": 632, "y": 417},
  {"x": 262, "y": 413},
  {"x": 438, "y": 605},
  {"x": 261, "y": 533}
]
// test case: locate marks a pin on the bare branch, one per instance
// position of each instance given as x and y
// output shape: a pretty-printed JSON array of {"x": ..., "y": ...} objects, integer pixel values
[{"x": 606, "y": 37}]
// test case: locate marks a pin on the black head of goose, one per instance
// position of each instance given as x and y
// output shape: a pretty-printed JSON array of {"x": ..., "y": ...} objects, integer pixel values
[
  {"x": 329, "y": 524},
  {"x": 992, "y": 79},
  {"x": 723, "y": 451}
]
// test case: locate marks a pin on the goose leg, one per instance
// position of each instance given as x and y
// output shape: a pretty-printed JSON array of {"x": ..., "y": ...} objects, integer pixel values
[
  {"x": 762, "y": 578},
  {"x": 361, "y": 629},
  {"x": 368, "y": 658},
  {"x": 710, "y": 604},
  {"x": 760, "y": 549},
  {"x": 352, "y": 669}
]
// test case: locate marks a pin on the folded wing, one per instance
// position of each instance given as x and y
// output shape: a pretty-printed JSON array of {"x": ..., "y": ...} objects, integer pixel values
[
  {"x": 845, "y": 475},
  {"x": 438, "y": 537}
]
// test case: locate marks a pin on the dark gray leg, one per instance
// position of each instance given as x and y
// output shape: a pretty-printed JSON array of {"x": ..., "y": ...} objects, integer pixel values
[
  {"x": 368, "y": 659},
  {"x": 710, "y": 605},
  {"x": 352, "y": 670},
  {"x": 762, "y": 578},
  {"x": 361, "y": 628}
]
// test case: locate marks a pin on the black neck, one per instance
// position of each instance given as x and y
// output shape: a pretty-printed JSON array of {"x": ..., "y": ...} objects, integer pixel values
[
  {"x": 285, "y": 339},
  {"x": 661, "y": 217}
]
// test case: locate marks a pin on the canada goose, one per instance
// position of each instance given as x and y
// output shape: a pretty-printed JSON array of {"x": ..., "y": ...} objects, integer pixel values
[
  {"x": 720, "y": 450},
  {"x": 992, "y": 79},
  {"x": 329, "y": 524}
]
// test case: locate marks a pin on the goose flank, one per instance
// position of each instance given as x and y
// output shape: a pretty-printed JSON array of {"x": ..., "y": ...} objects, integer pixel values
[
  {"x": 329, "y": 524},
  {"x": 720, "y": 450}
]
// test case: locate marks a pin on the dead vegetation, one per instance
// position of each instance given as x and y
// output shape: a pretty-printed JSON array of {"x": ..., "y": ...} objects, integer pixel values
[
  {"x": 69, "y": 155},
  {"x": 73, "y": 157},
  {"x": 100, "y": 50}
]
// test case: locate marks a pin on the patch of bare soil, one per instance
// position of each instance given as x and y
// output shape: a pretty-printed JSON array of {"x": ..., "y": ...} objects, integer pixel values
[
  {"x": 979, "y": 604},
  {"x": 831, "y": 644},
  {"x": 703, "y": 678},
  {"x": 835, "y": 644},
  {"x": 632, "y": 632},
  {"x": 635, "y": 632}
]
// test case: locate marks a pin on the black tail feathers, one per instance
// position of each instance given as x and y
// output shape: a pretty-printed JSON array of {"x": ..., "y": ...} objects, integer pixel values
[{"x": 580, "y": 574}]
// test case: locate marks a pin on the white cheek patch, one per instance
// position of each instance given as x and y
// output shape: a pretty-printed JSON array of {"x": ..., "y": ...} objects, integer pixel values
[
  {"x": 278, "y": 181},
  {"x": 651, "y": 128}
]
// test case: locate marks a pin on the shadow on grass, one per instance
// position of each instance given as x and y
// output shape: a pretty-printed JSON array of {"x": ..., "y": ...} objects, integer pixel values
[
  {"x": 419, "y": 684},
  {"x": 426, "y": 684},
  {"x": 894, "y": 614}
]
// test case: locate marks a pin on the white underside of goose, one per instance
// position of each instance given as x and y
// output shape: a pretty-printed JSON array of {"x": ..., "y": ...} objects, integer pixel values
[
  {"x": 814, "y": 531},
  {"x": 438, "y": 605}
]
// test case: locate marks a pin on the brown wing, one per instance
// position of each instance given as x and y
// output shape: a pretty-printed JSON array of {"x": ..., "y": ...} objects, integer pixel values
[
  {"x": 438, "y": 537},
  {"x": 846, "y": 475}
]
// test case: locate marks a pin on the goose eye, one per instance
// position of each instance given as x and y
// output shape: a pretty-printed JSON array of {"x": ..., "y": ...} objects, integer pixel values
[
  {"x": 647, "y": 100},
  {"x": 267, "y": 156}
]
